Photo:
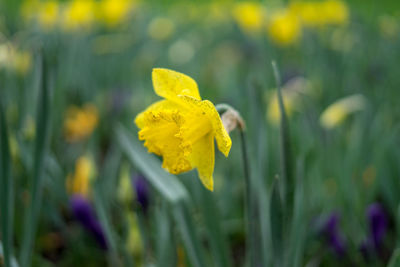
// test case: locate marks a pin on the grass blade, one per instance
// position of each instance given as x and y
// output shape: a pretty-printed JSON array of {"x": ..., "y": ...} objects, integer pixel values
[
  {"x": 395, "y": 259},
  {"x": 166, "y": 255},
  {"x": 166, "y": 184},
  {"x": 13, "y": 261},
  {"x": 41, "y": 143},
  {"x": 103, "y": 187},
  {"x": 298, "y": 226},
  {"x": 169, "y": 188},
  {"x": 101, "y": 212},
  {"x": 213, "y": 227},
  {"x": 189, "y": 237},
  {"x": 286, "y": 163},
  {"x": 276, "y": 214},
  {"x": 6, "y": 189}
]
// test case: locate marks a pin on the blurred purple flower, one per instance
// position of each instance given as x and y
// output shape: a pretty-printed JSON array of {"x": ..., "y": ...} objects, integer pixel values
[
  {"x": 377, "y": 224},
  {"x": 142, "y": 191},
  {"x": 85, "y": 215},
  {"x": 333, "y": 234}
]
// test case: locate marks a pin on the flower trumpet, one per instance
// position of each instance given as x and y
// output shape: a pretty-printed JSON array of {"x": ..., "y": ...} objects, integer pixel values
[{"x": 182, "y": 127}]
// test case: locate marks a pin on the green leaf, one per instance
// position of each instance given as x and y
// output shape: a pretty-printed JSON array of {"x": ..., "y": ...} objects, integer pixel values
[
  {"x": 285, "y": 148},
  {"x": 6, "y": 189},
  {"x": 105, "y": 223},
  {"x": 187, "y": 229},
  {"x": 13, "y": 261},
  {"x": 298, "y": 226},
  {"x": 166, "y": 184},
  {"x": 257, "y": 131},
  {"x": 395, "y": 259},
  {"x": 277, "y": 221},
  {"x": 166, "y": 244},
  {"x": 213, "y": 228},
  {"x": 265, "y": 224},
  {"x": 169, "y": 188},
  {"x": 102, "y": 199},
  {"x": 35, "y": 190}
]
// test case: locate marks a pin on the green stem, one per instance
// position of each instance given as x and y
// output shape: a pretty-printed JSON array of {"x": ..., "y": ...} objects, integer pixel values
[
  {"x": 250, "y": 209},
  {"x": 6, "y": 190},
  {"x": 249, "y": 204}
]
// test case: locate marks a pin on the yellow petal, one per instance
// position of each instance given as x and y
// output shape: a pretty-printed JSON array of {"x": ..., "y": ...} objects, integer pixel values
[
  {"x": 202, "y": 158},
  {"x": 337, "y": 112},
  {"x": 142, "y": 118},
  {"x": 159, "y": 126},
  {"x": 170, "y": 84},
  {"x": 207, "y": 108}
]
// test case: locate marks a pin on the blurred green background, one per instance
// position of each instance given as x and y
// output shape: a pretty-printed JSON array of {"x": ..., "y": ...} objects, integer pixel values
[{"x": 74, "y": 74}]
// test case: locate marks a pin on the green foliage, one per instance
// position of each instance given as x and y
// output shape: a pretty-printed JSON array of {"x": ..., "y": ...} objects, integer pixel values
[{"x": 272, "y": 213}]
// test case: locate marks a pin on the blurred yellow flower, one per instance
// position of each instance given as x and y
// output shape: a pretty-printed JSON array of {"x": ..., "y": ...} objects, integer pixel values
[
  {"x": 80, "y": 122},
  {"x": 22, "y": 61},
  {"x": 273, "y": 112},
  {"x": 161, "y": 28},
  {"x": 14, "y": 147},
  {"x": 125, "y": 191},
  {"x": 48, "y": 13},
  {"x": 249, "y": 15},
  {"x": 134, "y": 242},
  {"x": 29, "y": 9},
  {"x": 13, "y": 59},
  {"x": 29, "y": 129},
  {"x": 182, "y": 127},
  {"x": 78, "y": 14},
  {"x": 113, "y": 12},
  {"x": 291, "y": 94},
  {"x": 307, "y": 12},
  {"x": 284, "y": 28},
  {"x": 337, "y": 112},
  {"x": 320, "y": 13},
  {"x": 79, "y": 181},
  {"x": 335, "y": 12}
]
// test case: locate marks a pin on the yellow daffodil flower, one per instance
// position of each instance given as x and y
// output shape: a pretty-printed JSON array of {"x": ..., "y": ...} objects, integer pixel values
[
  {"x": 13, "y": 59},
  {"x": 337, "y": 112},
  {"x": 22, "y": 62},
  {"x": 133, "y": 243},
  {"x": 125, "y": 191},
  {"x": 80, "y": 122},
  {"x": 316, "y": 14},
  {"x": 249, "y": 15},
  {"x": 48, "y": 13},
  {"x": 113, "y": 12},
  {"x": 292, "y": 92},
  {"x": 29, "y": 9},
  {"x": 79, "y": 14},
  {"x": 284, "y": 28},
  {"x": 335, "y": 12},
  {"x": 182, "y": 127},
  {"x": 308, "y": 12},
  {"x": 79, "y": 181}
]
